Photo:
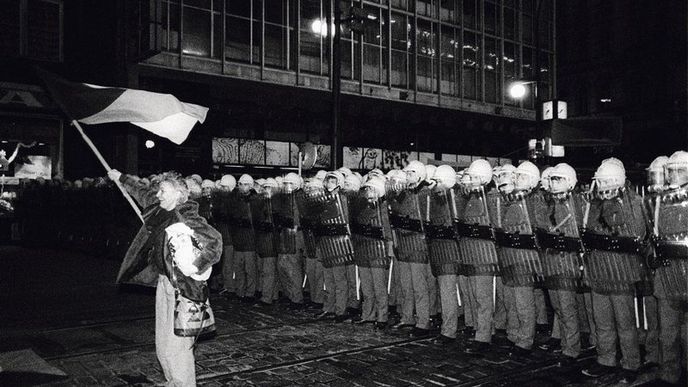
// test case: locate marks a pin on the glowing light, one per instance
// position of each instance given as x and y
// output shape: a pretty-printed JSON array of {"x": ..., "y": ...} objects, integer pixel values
[
  {"x": 150, "y": 144},
  {"x": 517, "y": 90}
]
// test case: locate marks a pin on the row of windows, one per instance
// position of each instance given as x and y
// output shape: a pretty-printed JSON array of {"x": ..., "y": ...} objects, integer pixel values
[{"x": 395, "y": 49}]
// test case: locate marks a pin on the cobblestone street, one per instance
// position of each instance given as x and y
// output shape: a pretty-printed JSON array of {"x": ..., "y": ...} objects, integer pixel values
[{"x": 266, "y": 346}]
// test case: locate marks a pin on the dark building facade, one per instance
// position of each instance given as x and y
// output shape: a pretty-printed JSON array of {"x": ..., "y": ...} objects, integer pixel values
[
  {"x": 626, "y": 59},
  {"x": 423, "y": 76}
]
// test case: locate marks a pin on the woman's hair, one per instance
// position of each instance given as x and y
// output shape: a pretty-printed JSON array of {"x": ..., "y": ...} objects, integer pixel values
[{"x": 177, "y": 182}]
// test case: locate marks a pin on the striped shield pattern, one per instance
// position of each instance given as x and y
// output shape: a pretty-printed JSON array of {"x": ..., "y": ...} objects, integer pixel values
[
  {"x": 518, "y": 266},
  {"x": 443, "y": 251},
  {"x": 332, "y": 230},
  {"x": 672, "y": 244},
  {"x": 608, "y": 270},
  {"x": 406, "y": 218},
  {"x": 477, "y": 251},
  {"x": 370, "y": 231}
]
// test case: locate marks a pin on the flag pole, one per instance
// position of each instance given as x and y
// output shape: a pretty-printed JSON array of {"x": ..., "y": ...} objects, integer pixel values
[{"x": 107, "y": 167}]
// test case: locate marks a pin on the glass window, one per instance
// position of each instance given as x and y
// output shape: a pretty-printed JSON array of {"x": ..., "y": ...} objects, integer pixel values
[
  {"x": 511, "y": 69},
  {"x": 471, "y": 14},
  {"x": 492, "y": 70},
  {"x": 448, "y": 56},
  {"x": 238, "y": 39},
  {"x": 401, "y": 44},
  {"x": 426, "y": 8},
  {"x": 239, "y": 8},
  {"x": 426, "y": 56},
  {"x": 170, "y": 26},
  {"x": 401, "y": 4},
  {"x": 492, "y": 22},
  {"x": 196, "y": 37},
  {"x": 448, "y": 10},
  {"x": 315, "y": 30},
  {"x": 510, "y": 24},
  {"x": 374, "y": 46},
  {"x": 528, "y": 72},
  {"x": 277, "y": 33},
  {"x": 471, "y": 65},
  {"x": 527, "y": 29}
]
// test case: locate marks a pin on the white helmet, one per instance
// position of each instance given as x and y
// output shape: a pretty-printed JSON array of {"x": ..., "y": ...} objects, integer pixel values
[
  {"x": 565, "y": 172},
  {"x": 616, "y": 161},
  {"x": 656, "y": 178},
  {"x": 677, "y": 169},
  {"x": 228, "y": 182},
  {"x": 445, "y": 176},
  {"x": 415, "y": 172},
  {"x": 207, "y": 184},
  {"x": 374, "y": 188},
  {"x": 429, "y": 171},
  {"x": 396, "y": 180},
  {"x": 609, "y": 177},
  {"x": 480, "y": 172},
  {"x": 292, "y": 178},
  {"x": 245, "y": 178},
  {"x": 359, "y": 176},
  {"x": 345, "y": 171},
  {"x": 195, "y": 189},
  {"x": 218, "y": 184},
  {"x": 197, "y": 178},
  {"x": 351, "y": 183},
  {"x": 544, "y": 178},
  {"x": 279, "y": 180},
  {"x": 526, "y": 176},
  {"x": 376, "y": 172},
  {"x": 336, "y": 175},
  {"x": 504, "y": 180}
]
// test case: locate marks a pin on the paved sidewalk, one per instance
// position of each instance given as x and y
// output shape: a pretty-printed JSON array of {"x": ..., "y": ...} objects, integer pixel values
[{"x": 105, "y": 337}]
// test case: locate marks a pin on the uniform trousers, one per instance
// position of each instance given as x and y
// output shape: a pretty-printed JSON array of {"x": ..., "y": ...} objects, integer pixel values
[
  {"x": 480, "y": 289},
  {"x": 415, "y": 281},
  {"x": 500, "y": 307},
  {"x": 246, "y": 275},
  {"x": 615, "y": 318},
  {"x": 374, "y": 289},
  {"x": 352, "y": 301},
  {"x": 314, "y": 271},
  {"x": 337, "y": 290},
  {"x": 520, "y": 306},
  {"x": 268, "y": 284},
  {"x": 229, "y": 282},
  {"x": 467, "y": 304},
  {"x": 565, "y": 324},
  {"x": 673, "y": 334},
  {"x": 449, "y": 303},
  {"x": 174, "y": 353},
  {"x": 291, "y": 276}
]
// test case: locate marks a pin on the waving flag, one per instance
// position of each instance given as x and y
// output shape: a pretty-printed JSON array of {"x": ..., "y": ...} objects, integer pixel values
[{"x": 161, "y": 114}]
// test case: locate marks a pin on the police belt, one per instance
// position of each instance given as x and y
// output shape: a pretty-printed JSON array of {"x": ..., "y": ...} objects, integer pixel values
[
  {"x": 672, "y": 249},
  {"x": 367, "y": 230},
  {"x": 330, "y": 230},
  {"x": 239, "y": 222},
  {"x": 548, "y": 240},
  {"x": 283, "y": 221},
  {"x": 265, "y": 227},
  {"x": 619, "y": 244},
  {"x": 406, "y": 223},
  {"x": 440, "y": 231},
  {"x": 515, "y": 240},
  {"x": 474, "y": 230}
]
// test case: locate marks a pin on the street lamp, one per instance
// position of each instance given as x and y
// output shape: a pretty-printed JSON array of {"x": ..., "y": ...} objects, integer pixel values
[{"x": 518, "y": 89}]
